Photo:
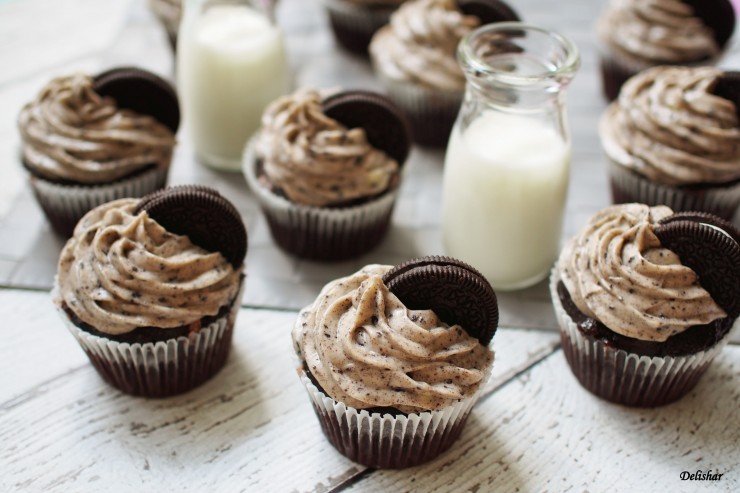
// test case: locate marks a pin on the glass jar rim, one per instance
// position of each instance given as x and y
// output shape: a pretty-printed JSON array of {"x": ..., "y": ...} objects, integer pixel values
[{"x": 564, "y": 69}]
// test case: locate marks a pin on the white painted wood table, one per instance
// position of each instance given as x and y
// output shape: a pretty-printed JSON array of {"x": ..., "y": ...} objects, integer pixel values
[{"x": 251, "y": 428}]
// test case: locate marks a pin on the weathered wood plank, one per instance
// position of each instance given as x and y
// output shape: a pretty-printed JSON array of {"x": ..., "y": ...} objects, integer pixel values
[
  {"x": 543, "y": 432},
  {"x": 62, "y": 428}
]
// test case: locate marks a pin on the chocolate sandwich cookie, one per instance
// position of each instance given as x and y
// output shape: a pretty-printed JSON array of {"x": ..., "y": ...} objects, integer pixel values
[
  {"x": 385, "y": 125},
  {"x": 203, "y": 215},
  {"x": 141, "y": 91},
  {"x": 454, "y": 290},
  {"x": 488, "y": 11},
  {"x": 728, "y": 87},
  {"x": 719, "y": 15},
  {"x": 713, "y": 254}
]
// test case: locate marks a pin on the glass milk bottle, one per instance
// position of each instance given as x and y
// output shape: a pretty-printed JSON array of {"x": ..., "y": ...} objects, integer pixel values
[
  {"x": 508, "y": 159},
  {"x": 231, "y": 64}
]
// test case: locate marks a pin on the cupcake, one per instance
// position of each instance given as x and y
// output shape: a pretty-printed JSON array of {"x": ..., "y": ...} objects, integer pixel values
[
  {"x": 326, "y": 171},
  {"x": 150, "y": 288},
  {"x": 638, "y": 34},
  {"x": 391, "y": 364},
  {"x": 169, "y": 13},
  {"x": 672, "y": 139},
  {"x": 414, "y": 58},
  {"x": 89, "y": 140},
  {"x": 645, "y": 300},
  {"x": 354, "y": 22}
]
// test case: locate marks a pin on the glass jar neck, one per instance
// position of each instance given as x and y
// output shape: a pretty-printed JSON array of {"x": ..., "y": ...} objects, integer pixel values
[{"x": 517, "y": 67}]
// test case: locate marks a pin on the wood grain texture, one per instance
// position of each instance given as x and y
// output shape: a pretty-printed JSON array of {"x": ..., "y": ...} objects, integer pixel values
[
  {"x": 543, "y": 432},
  {"x": 251, "y": 428}
]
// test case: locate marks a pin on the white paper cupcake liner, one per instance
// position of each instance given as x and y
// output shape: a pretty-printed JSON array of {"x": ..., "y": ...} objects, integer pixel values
[
  {"x": 354, "y": 25},
  {"x": 64, "y": 205},
  {"x": 630, "y": 186},
  {"x": 628, "y": 378},
  {"x": 389, "y": 442},
  {"x": 162, "y": 368},
  {"x": 321, "y": 233},
  {"x": 432, "y": 112}
]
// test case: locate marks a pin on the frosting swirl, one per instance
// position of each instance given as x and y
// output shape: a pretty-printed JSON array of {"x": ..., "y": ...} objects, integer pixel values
[
  {"x": 70, "y": 132},
  {"x": 377, "y": 3},
  {"x": 121, "y": 271},
  {"x": 314, "y": 160},
  {"x": 420, "y": 42},
  {"x": 656, "y": 31},
  {"x": 668, "y": 126},
  {"x": 366, "y": 349},
  {"x": 617, "y": 272}
]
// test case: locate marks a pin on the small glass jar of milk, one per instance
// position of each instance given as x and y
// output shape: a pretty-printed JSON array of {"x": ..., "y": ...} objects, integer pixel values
[
  {"x": 231, "y": 64},
  {"x": 508, "y": 160}
]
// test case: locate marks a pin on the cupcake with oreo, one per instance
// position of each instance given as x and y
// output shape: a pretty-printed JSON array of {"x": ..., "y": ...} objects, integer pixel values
[
  {"x": 415, "y": 58},
  {"x": 638, "y": 34},
  {"x": 354, "y": 22},
  {"x": 89, "y": 140},
  {"x": 150, "y": 288},
  {"x": 326, "y": 171},
  {"x": 646, "y": 299},
  {"x": 672, "y": 138},
  {"x": 394, "y": 358}
]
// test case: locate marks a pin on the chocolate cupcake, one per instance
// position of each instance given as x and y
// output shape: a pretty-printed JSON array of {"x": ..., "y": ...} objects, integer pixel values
[
  {"x": 354, "y": 22},
  {"x": 671, "y": 140},
  {"x": 638, "y": 34},
  {"x": 151, "y": 294},
  {"x": 89, "y": 140},
  {"x": 415, "y": 58},
  {"x": 393, "y": 385},
  {"x": 641, "y": 314},
  {"x": 326, "y": 171}
]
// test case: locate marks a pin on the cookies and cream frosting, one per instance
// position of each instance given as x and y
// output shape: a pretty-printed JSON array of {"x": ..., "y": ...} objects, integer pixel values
[
  {"x": 656, "y": 31},
  {"x": 315, "y": 160},
  {"x": 617, "y": 273},
  {"x": 71, "y": 133},
  {"x": 669, "y": 127},
  {"x": 420, "y": 43},
  {"x": 376, "y": 3},
  {"x": 121, "y": 271},
  {"x": 366, "y": 349}
]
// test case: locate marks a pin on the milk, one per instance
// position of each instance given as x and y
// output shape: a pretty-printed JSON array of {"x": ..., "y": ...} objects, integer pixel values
[
  {"x": 505, "y": 186},
  {"x": 231, "y": 64}
]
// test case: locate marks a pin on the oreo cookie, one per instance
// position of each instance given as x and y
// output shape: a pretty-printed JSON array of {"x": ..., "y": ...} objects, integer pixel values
[
  {"x": 488, "y": 11},
  {"x": 454, "y": 290},
  {"x": 712, "y": 254},
  {"x": 706, "y": 218},
  {"x": 384, "y": 123},
  {"x": 718, "y": 15},
  {"x": 203, "y": 215},
  {"x": 141, "y": 91},
  {"x": 728, "y": 87}
]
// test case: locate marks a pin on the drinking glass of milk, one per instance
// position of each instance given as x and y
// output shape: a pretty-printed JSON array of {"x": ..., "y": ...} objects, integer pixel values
[
  {"x": 231, "y": 64},
  {"x": 508, "y": 159}
]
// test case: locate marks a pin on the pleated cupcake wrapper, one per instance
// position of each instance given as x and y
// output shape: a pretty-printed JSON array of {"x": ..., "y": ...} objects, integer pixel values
[
  {"x": 354, "y": 25},
  {"x": 64, "y": 205},
  {"x": 630, "y": 186},
  {"x": 163, "y": 368},
  {"x": 628, "y": 378},
  {"x": 432, "y": 112},
  {"x": 389, "y": 442},
  {"x": 321, "y": 233}
]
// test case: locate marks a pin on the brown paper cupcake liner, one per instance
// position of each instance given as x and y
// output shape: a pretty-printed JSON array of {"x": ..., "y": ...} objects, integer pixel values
[
  {"x": 354, "y": 25},
  {"x": 163, "y": 368},
  {"x": 628, "y": 378},
  {"x": 629, "y": 186},
  {"x": 64, "y": 205},
  {"x": 389, "y": 442},
  {"x": 432, "y": 112},
  {"x": 321, "y": 233}
]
